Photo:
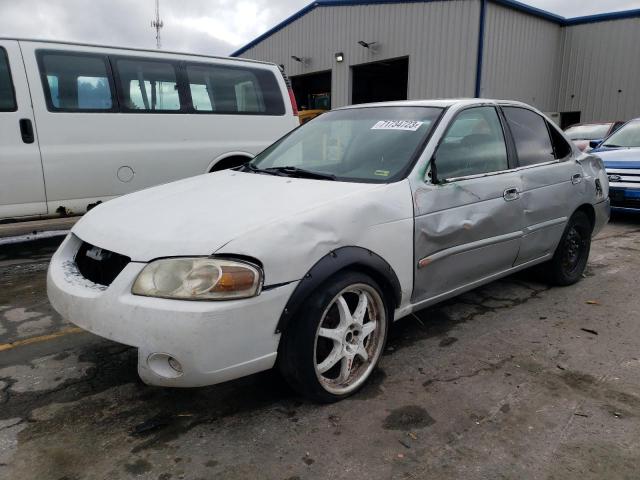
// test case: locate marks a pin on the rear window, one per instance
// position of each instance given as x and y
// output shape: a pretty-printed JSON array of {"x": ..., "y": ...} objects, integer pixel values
[
  {"x": 7, "y": 98},
  {"x": 148, "y": 85},
  {"x": 76, "y": 82},
  {"x": 232, "y": 90},
  {"x": 531, "y": 136}
]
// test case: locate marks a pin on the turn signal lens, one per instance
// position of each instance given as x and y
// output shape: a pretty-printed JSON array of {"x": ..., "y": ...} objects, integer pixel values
[{"x": 198, "y": 279}]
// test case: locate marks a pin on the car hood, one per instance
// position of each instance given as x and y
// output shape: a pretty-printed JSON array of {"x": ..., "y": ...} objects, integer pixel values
[
  {"x": 619, "y": 157},
  {"x": 199, "y": 215}
]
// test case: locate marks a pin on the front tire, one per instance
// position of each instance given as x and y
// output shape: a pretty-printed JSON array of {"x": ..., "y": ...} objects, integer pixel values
[
  {"x": 571, "y": 256},
  {"x": 333, "y": 345}
]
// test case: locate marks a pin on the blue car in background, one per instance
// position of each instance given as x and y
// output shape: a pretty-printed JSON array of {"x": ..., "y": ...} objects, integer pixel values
[{"x": 620, "y": 152}]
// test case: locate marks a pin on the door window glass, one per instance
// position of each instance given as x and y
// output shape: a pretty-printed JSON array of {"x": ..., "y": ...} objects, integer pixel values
[
  {"x": 148, "y": 86},
  {"x": 531, "y": 136},
  {"x": 222, "y": 89},
  {"x": 474, "y": 144},
  {"x": 76, "y": 82},
  {"x": 7, "y": 98}
]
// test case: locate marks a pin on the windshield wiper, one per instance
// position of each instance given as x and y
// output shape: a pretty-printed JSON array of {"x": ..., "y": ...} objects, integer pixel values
[
  {"x": 300, "y": 172},
  {"x": 611, "y": 145},
  {"x": 252, "y": 168}
]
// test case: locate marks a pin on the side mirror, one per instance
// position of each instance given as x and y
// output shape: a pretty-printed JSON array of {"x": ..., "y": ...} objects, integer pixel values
[{"x": 595, "y": 143}]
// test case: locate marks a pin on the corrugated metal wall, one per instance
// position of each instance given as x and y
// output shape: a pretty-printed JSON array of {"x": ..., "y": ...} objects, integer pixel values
[
  {"x": 527, "y": 58},
  {"x": 521, "y": 59},
  {"x": 440, "y": 39},
  {"x": 598, "y": 60}
]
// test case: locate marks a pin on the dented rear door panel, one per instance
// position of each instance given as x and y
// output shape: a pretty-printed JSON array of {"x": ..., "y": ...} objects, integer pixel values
[{"x": 551, "y": 193}]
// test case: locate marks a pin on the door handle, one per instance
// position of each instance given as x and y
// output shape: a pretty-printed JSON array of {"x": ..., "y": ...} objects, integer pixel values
[
  {"x": 26, "y": 130},
  {"x": 576, "y": 179},
  {"x": 511, "y": 194}
]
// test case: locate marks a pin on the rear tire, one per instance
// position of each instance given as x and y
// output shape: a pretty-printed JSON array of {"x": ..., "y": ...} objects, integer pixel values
[
  {"x": 332, "y": 346},
  {"x": 571, "y": 256}
]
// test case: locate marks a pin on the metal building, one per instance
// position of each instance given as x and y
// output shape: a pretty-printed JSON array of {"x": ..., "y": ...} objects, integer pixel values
[{"x": 339, "y": 52}]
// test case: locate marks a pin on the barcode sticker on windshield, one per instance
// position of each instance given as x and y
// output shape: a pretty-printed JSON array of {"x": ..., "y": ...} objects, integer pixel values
[{"x": 409, "y": 125}]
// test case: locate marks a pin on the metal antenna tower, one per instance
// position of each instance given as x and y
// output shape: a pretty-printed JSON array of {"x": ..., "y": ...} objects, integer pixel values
[{"x": 157, "y": 24}]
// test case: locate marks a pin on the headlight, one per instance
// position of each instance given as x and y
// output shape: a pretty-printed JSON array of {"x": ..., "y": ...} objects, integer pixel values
[{"x": 198, "y": 279}]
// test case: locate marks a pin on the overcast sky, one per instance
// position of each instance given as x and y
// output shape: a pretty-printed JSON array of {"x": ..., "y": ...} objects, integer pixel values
[{"x": 216, "y": 27}]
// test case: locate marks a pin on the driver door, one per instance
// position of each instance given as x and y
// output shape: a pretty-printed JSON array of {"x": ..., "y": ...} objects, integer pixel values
[{"x": 468, "y": 224}]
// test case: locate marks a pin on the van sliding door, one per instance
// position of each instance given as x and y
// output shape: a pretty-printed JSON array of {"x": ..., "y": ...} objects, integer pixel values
[{"x": 22, "y": 191}]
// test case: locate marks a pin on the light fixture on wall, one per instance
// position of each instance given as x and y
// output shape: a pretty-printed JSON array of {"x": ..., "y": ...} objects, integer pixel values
[
  {"x": 364, "y": 44},
  {"x": 339, "y": 57}
]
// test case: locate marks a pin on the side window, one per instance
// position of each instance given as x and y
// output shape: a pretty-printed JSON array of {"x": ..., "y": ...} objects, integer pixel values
[
  {"x": 224, "y": 89},
  {"x": 530, "y": 135},
  {"x": 560, "y": 146},
  {"x": 7, "y": 97},
  {"x": 148, "y": 85},
  {"x": 76, "y": 82},
  {"x": 473, "y": 144}
]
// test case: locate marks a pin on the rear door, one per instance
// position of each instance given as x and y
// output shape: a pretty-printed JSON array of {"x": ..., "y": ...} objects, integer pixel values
[
  {"x": 468, "y": 225},
  {"x": 551, "y": 182},
  {"x": 21, "y": 182}
]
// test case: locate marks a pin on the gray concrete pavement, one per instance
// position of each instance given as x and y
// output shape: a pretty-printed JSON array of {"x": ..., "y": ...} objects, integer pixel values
[{"x": 514, "y": 380}]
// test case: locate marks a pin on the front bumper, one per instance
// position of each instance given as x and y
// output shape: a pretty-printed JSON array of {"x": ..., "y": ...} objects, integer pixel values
[
  {"x": 213, "y": 341},
  {"x": 625, "y": 198}
]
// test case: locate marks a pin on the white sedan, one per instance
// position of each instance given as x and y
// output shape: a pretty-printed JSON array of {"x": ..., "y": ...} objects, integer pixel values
[{"x": 304, "y": 256}]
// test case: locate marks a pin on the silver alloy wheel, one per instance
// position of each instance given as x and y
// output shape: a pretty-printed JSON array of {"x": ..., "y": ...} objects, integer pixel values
[{"x": 349, "y": 338}]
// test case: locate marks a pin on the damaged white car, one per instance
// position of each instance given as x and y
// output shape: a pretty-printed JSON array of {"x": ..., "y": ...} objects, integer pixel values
[{"x": 304, "y": 256}]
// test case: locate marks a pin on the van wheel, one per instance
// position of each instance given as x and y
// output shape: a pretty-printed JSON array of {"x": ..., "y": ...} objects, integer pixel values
[
  {"x": 331, "y": 348},
  {"x": 571, "y": 255}
]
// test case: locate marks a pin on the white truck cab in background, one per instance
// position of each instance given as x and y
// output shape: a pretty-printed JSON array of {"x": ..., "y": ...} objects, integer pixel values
[{"x": 82, "y": 124}]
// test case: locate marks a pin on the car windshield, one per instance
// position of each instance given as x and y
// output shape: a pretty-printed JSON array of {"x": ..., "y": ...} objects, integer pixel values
[
  {"x": 628, "y": 136},
  {"x": 368, "y": 144},
  {"x": 588, "y": 132}
]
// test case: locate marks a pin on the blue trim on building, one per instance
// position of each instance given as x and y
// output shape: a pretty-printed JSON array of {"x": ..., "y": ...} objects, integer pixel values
[
  {"x": 483, "y": 21},
  {"x": 603, "y": 17},
  {"x": 537, "y": 12},
  {"x": 513, "y": 4}
]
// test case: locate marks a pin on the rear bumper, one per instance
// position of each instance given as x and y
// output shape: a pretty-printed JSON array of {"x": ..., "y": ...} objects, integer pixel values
[
  {"x": 603, "y": 212},
  {"x": 212, "y": 341}
]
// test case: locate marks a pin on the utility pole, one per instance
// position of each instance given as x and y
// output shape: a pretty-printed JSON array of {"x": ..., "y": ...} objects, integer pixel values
[{"x": 157, "y": 24}]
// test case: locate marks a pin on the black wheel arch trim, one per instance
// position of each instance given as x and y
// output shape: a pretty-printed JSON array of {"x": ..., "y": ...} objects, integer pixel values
[{"x": 356, "y": 258}]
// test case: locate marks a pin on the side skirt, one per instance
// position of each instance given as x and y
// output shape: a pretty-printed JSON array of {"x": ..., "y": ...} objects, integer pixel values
[{"x": 408, "y": 309}]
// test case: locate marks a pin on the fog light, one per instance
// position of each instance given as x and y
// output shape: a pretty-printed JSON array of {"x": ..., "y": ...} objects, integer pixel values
[{"x": 164, "y": 365}]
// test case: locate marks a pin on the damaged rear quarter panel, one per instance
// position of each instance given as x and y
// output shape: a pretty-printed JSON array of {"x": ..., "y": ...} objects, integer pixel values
[{"x": 380, "y": 220}]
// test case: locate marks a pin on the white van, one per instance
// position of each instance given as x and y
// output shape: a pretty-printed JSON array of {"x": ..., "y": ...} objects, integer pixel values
[{"x": 81, "y": 124}]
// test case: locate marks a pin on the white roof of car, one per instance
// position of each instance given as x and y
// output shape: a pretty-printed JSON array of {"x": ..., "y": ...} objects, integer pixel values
[{"x": 440, "y": 103}]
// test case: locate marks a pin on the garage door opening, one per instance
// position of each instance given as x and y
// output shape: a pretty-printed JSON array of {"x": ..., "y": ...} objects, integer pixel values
[
  {"x": 313, "y": 91},
  {"x": 380, "y": 81}
]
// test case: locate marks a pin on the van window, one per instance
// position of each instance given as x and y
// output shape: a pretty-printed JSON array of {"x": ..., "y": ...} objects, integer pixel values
[
  {"x": 530, "y": 133},
  {"x": 222, "y": 89},
  {"x": 7, "y": 98},
  {"x": 76, "y": 82},
  {"x": 148, "y": 85},
  {"x": 474, "y": 144}
]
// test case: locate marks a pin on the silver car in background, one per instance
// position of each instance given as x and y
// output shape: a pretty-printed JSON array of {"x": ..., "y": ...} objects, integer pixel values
[{"x": 303, "y": 257}]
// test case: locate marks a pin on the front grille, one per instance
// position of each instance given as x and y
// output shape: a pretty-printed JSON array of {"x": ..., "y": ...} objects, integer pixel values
[{"x": 99, "y": 265}]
